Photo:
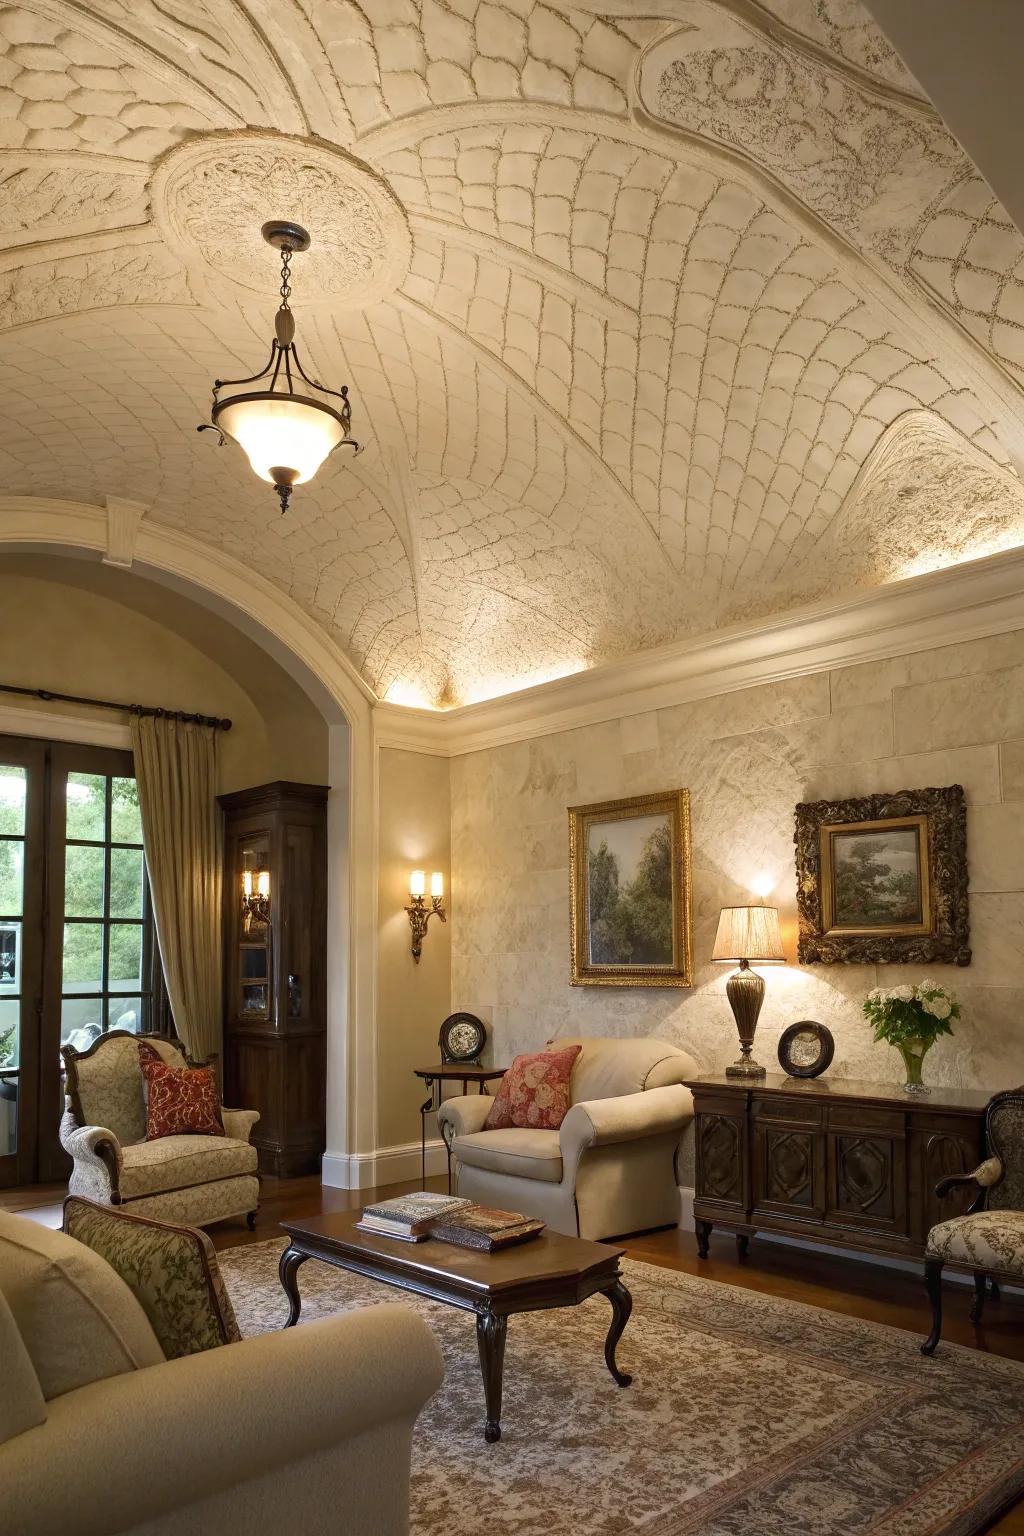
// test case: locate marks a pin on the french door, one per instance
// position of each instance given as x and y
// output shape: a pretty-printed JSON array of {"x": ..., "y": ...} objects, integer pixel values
[{"x": 77, "y": 944}]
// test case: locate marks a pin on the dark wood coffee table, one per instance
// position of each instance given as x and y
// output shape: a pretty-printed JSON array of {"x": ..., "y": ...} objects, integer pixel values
[{"x": 549, "y": 1271}]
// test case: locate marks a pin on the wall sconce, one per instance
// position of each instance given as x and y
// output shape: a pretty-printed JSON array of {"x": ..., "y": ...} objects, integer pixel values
[
  {"x": 255, "y": 897},
  {"x": 419, "y": 913}
]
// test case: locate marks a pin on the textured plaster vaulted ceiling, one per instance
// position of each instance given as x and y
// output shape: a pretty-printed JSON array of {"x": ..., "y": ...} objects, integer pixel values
[{"x": 656, "y": 315}]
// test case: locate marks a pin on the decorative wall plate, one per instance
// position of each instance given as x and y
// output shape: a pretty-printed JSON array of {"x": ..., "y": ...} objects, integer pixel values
[
  {"x": 806, "y": 1049},
  {"x": 462, "y": 1037}
]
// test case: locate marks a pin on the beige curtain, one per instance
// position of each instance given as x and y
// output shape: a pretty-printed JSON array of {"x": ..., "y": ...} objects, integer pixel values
[{"x": 176, "y": 769}]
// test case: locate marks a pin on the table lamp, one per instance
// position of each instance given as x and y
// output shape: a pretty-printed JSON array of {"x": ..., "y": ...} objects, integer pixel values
[{"x": 745, "y": 934}]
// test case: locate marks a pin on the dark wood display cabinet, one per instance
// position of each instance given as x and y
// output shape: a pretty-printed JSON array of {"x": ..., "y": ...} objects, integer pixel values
[
  {"x": 851, "y": 1164},
  {"x": 275, "y": 996}
]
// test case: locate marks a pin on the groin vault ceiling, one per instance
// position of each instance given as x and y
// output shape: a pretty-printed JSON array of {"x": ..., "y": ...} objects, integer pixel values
[{"x": 656, "y": 314}]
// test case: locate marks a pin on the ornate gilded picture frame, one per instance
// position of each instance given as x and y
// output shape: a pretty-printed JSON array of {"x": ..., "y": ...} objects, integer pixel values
[
  {"x": 630, "y": 901},
  {"x": 883, "y": 879}
]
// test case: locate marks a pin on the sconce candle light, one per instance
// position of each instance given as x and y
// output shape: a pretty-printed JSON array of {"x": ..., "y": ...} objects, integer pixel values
[
  {"x": 255, "y": 896},
  {"x": 419, "y": 913}
]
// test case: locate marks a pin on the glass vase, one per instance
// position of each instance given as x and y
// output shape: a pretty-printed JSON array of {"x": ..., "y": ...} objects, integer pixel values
[{"x": 913, "y": 1053}]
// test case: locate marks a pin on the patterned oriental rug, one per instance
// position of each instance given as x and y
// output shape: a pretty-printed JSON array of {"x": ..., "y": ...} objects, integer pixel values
[{"x": 748, "y": 1416}]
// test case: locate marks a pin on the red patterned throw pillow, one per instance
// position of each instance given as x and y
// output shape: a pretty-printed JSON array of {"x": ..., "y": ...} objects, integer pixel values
[
  {"x": 180, "y": 1101},
  {"x": 534, "y": 1091}
]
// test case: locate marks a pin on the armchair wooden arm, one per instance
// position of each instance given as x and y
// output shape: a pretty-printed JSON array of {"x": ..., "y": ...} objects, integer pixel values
[{"x": 984, "y": 1177}]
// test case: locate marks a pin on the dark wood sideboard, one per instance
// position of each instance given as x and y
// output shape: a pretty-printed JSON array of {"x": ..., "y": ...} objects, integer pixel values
[{"x": 847, "y": 1163}]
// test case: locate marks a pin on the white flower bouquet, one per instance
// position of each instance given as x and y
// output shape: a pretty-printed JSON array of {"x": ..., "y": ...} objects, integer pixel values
[{"x": 912, "y": 1019}]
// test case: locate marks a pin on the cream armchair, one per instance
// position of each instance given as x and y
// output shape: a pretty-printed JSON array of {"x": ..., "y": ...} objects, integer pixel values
[
  {"x": 195, "y": 1179},
  {"x": 611, "y": 1167},
  {"x": 308, "y": 1429}
]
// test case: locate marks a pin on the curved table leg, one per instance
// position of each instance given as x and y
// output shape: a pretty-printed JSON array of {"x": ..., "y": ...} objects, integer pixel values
[
  {"x": 490, "y": 1340},
  {"x": 622, "y": 1306},
  {"x": 291, "y": 1261}
]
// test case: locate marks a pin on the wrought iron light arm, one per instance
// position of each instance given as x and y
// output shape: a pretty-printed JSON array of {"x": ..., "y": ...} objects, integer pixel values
[{"x": 419, "y": 916}]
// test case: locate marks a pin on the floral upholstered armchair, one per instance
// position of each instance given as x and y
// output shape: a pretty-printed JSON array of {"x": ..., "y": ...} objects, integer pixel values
[
  {"x": 193, "y": 1179},
  {"x": 989, "y": 1240}
]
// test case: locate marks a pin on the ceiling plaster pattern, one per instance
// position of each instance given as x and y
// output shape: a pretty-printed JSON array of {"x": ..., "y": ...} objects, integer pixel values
[
  {"x": 619, "y": 378},
  {"x": 844, "y": 28}
]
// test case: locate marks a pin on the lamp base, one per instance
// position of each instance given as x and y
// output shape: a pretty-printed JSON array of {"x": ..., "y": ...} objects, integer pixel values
[
  {"x": 745, "y": 1067},
  {"x": 745, "y": 991}
]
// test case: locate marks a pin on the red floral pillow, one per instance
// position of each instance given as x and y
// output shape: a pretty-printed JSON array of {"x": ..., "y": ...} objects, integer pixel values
[
  {"x": 180, "y": 1101},
  {"x": 534, "y": 1091}
]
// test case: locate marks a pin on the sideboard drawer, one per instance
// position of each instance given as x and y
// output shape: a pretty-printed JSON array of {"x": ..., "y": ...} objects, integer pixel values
[
  {"x": 855, "y": 1117},
  {"x": 798, "y": 1111}
]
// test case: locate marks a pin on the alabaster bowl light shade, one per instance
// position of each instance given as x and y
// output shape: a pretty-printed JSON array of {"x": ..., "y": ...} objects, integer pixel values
[
  {"x": 285, "y": 433},
  {"x": 748, "y": 933}
]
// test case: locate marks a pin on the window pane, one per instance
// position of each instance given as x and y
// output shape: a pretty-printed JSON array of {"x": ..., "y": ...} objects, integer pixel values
[
  {"x": 12, "y": 800},
  {"x": 83, "y": 957},
  {"x": 86, "y": 802},
  {"x": 9, "y": 1017},
  {"x": 125, "y": 1013},
  {"x": 12, "y": 877},
  {"x": 126, "y": 882},
  {"x": 81, "y": 1020},
  {"x": 125, "y": 819},
  {"x": 10, "y": 959},
  {"x": 83, "y": 881},
  {"x": 126, "y": 955}
]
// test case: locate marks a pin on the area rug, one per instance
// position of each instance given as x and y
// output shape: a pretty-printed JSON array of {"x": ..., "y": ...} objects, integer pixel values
[{"x": 747, "y": 1416}]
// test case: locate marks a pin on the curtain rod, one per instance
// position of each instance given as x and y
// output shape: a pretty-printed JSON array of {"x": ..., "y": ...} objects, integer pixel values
[{"x": 47, "y": 695}]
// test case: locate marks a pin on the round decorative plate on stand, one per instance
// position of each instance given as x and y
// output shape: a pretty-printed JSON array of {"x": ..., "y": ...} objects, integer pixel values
[
  {"x": 462, "y": 1038},
  {"x": 806, "y": 1049}
]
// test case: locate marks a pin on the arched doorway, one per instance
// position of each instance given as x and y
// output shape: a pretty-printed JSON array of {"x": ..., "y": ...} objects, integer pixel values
[{"x": 73, "y": 538}]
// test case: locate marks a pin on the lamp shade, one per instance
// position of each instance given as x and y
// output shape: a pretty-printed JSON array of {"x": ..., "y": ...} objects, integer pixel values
[
  {"x": 281, "y": 432},
  {"x": 748, "y": 933}
]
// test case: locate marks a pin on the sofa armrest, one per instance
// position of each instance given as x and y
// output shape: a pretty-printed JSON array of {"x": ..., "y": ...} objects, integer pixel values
[
  {"x": 96, "y": 1153},
  {"x": 239, "y": 1122},
  {"x": 599, "y": 1122},
  {"x": 142, "y": 1445},
  {"x": 463, "y": 1116},
  {"x": 985, "y": 1176}
]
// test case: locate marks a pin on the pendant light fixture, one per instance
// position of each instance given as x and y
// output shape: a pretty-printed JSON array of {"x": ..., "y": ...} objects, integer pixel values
[{"x": 285, "y": 432}]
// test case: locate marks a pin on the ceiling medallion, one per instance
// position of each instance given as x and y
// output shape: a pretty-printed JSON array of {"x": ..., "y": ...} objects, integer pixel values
[
  {"x": 286, "y": 432},
  {"x": 211, "y": 194}
]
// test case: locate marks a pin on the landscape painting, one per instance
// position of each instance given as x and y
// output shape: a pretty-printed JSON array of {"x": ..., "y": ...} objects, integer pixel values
[
  {"x": 882, "y": 879},
  {"x": 630, "y": 891},
  {"x": 877, "y": 878}
]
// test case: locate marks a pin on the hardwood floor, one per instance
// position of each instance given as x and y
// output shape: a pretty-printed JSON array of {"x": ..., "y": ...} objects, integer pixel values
[{"x": 843, "y": 1284}]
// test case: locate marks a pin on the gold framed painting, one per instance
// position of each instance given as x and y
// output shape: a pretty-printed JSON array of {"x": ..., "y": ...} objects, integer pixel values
[
  {"x": 883, "y": 879},
  {"x": 630, "y": 899}
]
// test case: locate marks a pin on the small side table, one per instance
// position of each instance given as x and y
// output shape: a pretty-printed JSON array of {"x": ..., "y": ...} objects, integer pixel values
[{"x": 448, "y": 1072}]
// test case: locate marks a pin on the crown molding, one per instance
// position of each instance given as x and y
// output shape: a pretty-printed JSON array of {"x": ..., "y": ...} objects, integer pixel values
[{"x": 961, "y": 603}]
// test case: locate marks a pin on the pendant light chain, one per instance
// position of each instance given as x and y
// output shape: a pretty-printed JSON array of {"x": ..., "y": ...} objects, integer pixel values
[{"x": 286, "y": 289}]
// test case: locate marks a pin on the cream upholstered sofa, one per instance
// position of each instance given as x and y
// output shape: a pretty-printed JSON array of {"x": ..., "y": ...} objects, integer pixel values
[
  {"x": 195, "y": 1179},
  {"x": 307, "y": 1430},
  {"x": 610, "y": 1169}
]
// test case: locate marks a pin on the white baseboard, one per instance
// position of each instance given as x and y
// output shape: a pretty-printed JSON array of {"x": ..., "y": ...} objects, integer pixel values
[{"x": 386, "y": 1165}]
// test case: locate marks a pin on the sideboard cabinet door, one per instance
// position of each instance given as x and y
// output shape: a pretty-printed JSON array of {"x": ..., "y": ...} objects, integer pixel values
[
  {"x": 867, "y": 1170},
  {"x": 789, "y": 1158},
  {"x": 722, "y": 1159}
]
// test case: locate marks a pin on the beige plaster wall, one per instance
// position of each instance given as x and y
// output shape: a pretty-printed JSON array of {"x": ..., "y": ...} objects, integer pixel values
[
  {"x": 953, "y": 715},
  {"x": 83, "y": 628},
  {"x": 412, "y": 1000}
]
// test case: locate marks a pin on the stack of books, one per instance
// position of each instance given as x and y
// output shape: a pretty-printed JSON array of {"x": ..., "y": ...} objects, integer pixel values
[
  {"x": 449, "y": 1219},
  {"x": 485, "y": 1229},
  {"x": 409, "y": 1216}
]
